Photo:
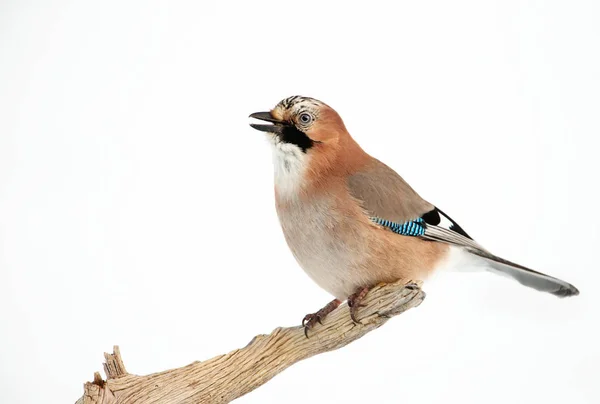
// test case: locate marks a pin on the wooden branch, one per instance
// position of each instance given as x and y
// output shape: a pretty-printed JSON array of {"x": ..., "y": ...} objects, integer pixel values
[{"x": 227, "y": 377}]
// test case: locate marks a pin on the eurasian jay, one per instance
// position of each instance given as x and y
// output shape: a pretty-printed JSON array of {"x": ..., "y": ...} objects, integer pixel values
[{"x": 352, "y": 222}]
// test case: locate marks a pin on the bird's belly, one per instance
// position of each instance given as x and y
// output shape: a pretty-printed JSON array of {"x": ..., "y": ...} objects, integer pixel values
[
  {"x": 343, "y": 250},
  {"x": 329, "y": 268},
  {"x": 329, "y": 248}
]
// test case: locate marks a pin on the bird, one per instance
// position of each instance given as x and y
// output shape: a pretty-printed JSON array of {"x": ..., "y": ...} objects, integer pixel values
[{"x": 352, "y": 222}]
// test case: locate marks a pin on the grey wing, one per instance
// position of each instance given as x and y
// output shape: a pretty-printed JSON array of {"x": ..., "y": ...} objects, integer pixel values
[
  {"x": 392, "y": 203},
  {"x": 385, "y": 195}
]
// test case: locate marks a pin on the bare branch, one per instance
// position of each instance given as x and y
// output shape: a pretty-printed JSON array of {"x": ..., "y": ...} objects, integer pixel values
[{"x": 227, "y": 377}]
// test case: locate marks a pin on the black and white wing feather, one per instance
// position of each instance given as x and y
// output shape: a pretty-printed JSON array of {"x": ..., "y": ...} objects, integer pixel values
[
  {"x": 392, "y": 203},
  {"x": 435, "y": 225},
  {"x": 440, "y": 227}
]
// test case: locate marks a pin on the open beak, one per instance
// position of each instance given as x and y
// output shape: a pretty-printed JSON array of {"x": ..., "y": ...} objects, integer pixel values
[{"x": 276, "y": 127}]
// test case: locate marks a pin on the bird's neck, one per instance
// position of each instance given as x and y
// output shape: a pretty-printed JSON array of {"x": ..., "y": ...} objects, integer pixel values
[{"x": 301, "y": 175}]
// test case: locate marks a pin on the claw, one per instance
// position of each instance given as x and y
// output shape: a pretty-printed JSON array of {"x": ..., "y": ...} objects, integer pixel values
[
  {"x": 354, "y": 302},
  {"x": 310, "y": 320},
  {"x": 411, "y": 286},
  {"x": 353, "y": 317}
]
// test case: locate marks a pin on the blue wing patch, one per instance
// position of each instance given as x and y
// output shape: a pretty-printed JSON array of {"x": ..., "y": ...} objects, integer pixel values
[{"x": 412, "y": 228}]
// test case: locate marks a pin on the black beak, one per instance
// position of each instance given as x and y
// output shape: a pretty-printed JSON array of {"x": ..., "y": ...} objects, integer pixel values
[{"x": 276, "y": 128}]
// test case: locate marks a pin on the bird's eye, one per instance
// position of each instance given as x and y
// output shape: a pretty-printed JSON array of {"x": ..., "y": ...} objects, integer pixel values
[{"x": 305, "y": 118}]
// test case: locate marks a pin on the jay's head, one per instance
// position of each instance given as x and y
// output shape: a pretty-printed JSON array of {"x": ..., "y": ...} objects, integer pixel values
[{"x": 301, "y": 122}]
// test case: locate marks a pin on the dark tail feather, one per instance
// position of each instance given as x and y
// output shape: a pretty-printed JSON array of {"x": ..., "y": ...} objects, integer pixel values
[{"x": 529, "y": 277}]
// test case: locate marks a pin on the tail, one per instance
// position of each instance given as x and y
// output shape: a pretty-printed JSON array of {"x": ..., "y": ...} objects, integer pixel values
[{"x": 528, "y": 277}]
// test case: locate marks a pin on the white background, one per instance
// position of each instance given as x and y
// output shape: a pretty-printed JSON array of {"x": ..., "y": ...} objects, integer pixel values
[{"x": 136, "y": 205}]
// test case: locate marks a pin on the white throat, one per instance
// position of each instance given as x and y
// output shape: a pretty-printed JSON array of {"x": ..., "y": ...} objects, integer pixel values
[{"x": 289, "y": 163}]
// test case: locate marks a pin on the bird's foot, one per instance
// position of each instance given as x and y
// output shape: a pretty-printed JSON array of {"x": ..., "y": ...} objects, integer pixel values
[
  {"x": 310, "y": 320},
  {"x": 413, "y": 285},
  {"x": 354, "y": 302}
]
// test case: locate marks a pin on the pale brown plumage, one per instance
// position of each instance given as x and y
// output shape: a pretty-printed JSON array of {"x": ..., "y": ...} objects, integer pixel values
[
  {"x": 352, "y": 251},
  {"x": 328, "y": 189},
  {"x": 375, "y": 183}
]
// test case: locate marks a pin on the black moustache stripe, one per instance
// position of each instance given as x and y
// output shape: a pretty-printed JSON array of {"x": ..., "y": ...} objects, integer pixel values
[{"x": 290, "y": 134}]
